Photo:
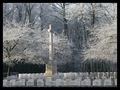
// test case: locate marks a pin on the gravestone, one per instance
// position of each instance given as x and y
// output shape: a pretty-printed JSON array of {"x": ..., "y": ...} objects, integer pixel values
[
  {"x": 97, "y": 82},
  {"x": 86, "y": 82},
  {"x": 115, "y": 82},
  {"x": 41, "y": 76},
  {"x": 60, "y": 75},
  {"x": 76, "y": 82},
  {"x": 11, "y": 77},
  {"x": 37, "y": 75},
  {"x": 12, "y": 82},
  {"x": 49, "y": 82},
  {"x": 30, "y": 82},
  {"x": 107, "y": 82},
  {"x": 5, "y": 83},
  {"x": 40, "y": 83},
  {"x": 55, "y": 76},
  {"x": 67, "y": 82},
  {"x": 115, "y": 74},
  {"x": 19, "y": 76},
  {"x": 20, "y": 82},
  {"x": 29, "y": 76},
  {"x": 59, "y": 82}
]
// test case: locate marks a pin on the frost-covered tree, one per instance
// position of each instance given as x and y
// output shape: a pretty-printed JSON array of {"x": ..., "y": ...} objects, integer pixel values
[
  {"x": 103, "y": 47},
  {"x": 11, "y": 38}
]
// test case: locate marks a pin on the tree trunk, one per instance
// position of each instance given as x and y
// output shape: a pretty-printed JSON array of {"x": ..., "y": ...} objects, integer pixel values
[
  {"x": 8, "y": 71},
  {"x": 93, "y": 15},
  {"x": 65, "y": 20}
]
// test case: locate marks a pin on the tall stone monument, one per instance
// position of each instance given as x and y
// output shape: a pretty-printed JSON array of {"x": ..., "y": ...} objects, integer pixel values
[{"x": 51, "y": 65}]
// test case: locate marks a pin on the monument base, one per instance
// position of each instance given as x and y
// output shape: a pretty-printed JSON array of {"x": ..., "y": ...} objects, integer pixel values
[{"x": 48, "y": 71}]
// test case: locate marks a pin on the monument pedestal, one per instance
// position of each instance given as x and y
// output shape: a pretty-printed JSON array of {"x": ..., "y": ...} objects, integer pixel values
[{"x": 48, "y": 71}]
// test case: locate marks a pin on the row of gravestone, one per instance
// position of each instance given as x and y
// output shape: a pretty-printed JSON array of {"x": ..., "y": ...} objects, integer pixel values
[
  {"x": 48, "y": 82},
  {"x": 30, "y": 76},
  {"x": 68, "y": 75}
]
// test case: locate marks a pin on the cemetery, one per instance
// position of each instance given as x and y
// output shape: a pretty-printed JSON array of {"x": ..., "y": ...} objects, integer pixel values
[{"x": 59, "y": 44}]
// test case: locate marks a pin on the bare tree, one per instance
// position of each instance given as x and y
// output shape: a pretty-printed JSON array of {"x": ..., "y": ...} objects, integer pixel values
[
  {"x": 28, "y": 12},
  {"x": 61, "y": 9}
]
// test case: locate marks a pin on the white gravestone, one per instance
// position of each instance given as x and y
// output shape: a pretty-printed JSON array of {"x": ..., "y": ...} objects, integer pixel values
[
  {"x": 50, "y": 82},
  {"x": 76, "y": 82},
  {"x": 11, "y": 77},
  {"x": 22, "y": 76},
  {"x": 30, "y": 82},
  {"x": 41, "y": 76},
  {"x": 107, "y": 82},
  {"x": 28, "y": 76},
  {"x": 5, "y": 83},
  {"x": 59, "y": 82},
  {"x": 37, "y": 75},
  {"x": 67, "y": 82},
  {"x": 86, "y": 82},
  {"x": 40, "y": 82},
  {"x": 97, "y": 82},
  {"x": 55, "y": 76},
  {"x": 20, "y": 82},
  {"x": 12, "y": 82},
  {"x": 115, "y": 82},
  {"x": 60, "y": 75},
  {"x": 19, "y": 76}
]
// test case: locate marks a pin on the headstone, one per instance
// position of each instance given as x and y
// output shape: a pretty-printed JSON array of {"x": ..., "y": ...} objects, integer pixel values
[
  {"x": 55, "y": 76},
  {"x": 5, "y": 83},
  {"x": 76, "y": 82},
  {"x": 60, "y": 75},
  {"x": 29, "y": 76},
  {"x": 107, "y": 82},
  {"x": 59, "y": 82},
  {"x": 86, "y": 82},
  {"x": 12, "y": 82},
  {"x": 30, "y": 82},
  {"x": 98, "y": 74},
  {"x": 97, "y": 82},
  {"x": 20, "y": 82},
  {"x": 115, "y": 74},
  {"x": 19, "y": 76},
  {"x": 22, "y": 76},
  {"x": 37, "y": 75},
  {"x": 65, "y": 76},
  {"x": 49, "y": 82},
  {"x": 40, "y": 83},
  {"x": 115, "y": 82},
  {"x": 11, "y": 77},
  {"x": 67, "y": 82}
]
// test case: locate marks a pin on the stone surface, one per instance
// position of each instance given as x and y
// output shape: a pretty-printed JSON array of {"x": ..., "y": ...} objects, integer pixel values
[
  {"x": 40, "y": 83},
  {"x": 5, "y": 83},
  {"x": 12, "y": 77},
  {"x": 115, "y": 82},
  {"x": 97, "y": 82},
  {"x": 12, "y": 82},
  {"x": 59, "y": 82},
  {"x": 86, "y": 82},
  {"x": 20, "y": 82},
  {"x": 107, "y": 82},
  {"x": 50, "y": 82},
  {"x": 76, "y": 82},
  {"x": 30, "y": 82}
]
